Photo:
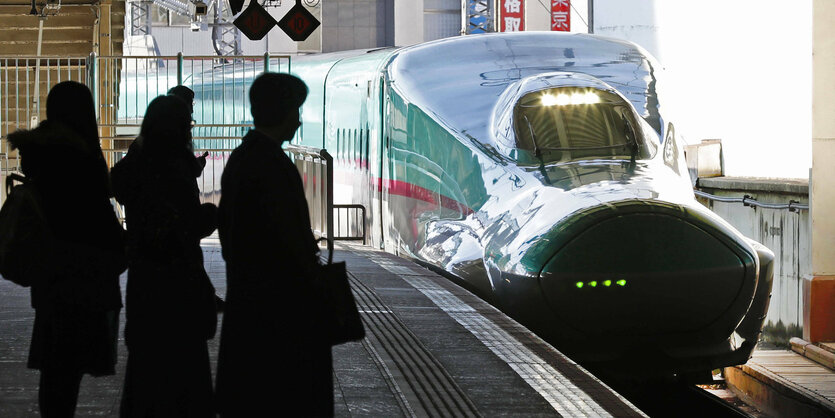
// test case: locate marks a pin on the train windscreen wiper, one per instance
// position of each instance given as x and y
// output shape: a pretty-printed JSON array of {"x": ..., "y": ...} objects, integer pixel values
[
  {"x": 629, "y": 133},
  {"x": 537, "y": 152}
]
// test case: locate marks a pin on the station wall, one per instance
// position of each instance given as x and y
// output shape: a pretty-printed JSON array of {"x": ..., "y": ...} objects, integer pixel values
[{"x": 786, "y": 233}]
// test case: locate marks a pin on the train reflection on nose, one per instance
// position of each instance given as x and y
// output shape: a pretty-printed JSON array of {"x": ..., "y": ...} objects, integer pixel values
[{"x": 646, "y": 274}]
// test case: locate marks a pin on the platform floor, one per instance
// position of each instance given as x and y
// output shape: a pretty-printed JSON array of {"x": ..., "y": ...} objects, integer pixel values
[
  {"x": 432, "y": 349},
  {"x": 784, "y": 383}
]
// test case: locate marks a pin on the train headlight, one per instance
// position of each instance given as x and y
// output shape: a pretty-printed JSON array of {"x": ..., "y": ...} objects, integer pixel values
[
  {"x": 564, "y": 99},
  {"x": 605, "y": 283}
]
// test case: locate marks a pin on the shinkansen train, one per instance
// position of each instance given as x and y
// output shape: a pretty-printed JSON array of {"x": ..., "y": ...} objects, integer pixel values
[{"x": 543, "y": 172}]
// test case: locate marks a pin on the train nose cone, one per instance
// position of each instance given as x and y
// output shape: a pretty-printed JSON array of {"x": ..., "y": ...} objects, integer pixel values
[{"x": 643, "y": 274}]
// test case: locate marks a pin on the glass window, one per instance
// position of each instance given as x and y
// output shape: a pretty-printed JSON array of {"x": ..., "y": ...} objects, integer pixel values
[
  {"x": 563, "y": 124},
  {"x": 159, "y": 16},
  {"x": 177, "y": 20}
]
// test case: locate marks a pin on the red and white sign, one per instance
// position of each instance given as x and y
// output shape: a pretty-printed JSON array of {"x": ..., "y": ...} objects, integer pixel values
[
  {"x": 512, "y": 14},
  {"x": 561, "y": 15}
]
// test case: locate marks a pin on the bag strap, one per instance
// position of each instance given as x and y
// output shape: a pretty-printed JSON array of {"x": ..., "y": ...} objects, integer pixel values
[
  {"x": 11, "y": 178},
  {"x": 330, "y": 248}
]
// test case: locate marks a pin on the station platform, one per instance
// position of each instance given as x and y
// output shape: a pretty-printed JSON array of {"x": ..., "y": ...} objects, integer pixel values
[
  {"x": 432, "y": 349},
  {"x": 783, "y": 383}
]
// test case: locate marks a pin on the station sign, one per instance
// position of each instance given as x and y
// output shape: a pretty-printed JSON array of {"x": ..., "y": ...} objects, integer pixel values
[
  {"x": 255, "y": 22},
  {"x": 298, "y": 23},
  {"x": 561, "y": 15},
  {"x": 512, "y": 15}
]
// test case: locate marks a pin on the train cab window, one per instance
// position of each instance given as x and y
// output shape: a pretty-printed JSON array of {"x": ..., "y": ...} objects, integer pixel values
[{"x": 564, "y": 124}]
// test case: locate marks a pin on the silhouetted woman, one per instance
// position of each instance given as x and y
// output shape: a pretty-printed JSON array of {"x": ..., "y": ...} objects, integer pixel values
[
  {"x": 170, "y": 300},
  {"x": 76, "y": 307}
]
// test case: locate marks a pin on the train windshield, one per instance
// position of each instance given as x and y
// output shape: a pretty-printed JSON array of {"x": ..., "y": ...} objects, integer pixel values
[{"x": 563, "y": 124}]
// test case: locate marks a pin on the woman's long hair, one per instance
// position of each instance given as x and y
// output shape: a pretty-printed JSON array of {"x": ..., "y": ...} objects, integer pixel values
[
  {"x": 166, "y": 128},
  {"x": 70, "y": 103}
]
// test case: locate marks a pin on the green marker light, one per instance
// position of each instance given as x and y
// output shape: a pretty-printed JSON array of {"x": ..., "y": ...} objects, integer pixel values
[
  {"x": 607, "y": 283},
  {"x": 593, "y": 284},
  {"x": 621, "y": 282},
  {"x": 579, "y": 285}
]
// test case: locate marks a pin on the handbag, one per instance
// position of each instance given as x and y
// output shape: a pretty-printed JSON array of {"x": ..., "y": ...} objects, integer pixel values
[
  {"x": 340, "y": 317},
  {"x": 26, "y": 243},
  {"x": 203, "y": 302}
]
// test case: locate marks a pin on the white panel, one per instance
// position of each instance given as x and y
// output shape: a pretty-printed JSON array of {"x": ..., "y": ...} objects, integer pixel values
[{"x": 408, "y": 22}]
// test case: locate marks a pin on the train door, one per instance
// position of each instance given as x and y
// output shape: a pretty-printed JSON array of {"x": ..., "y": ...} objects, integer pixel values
[
  {"x": 373, "y": 171},
  {"x": 385, "y": 167}
]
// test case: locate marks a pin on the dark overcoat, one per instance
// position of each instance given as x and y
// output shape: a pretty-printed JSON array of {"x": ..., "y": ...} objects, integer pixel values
[
  {"x": 170, "y": 312},
  {"x": 271, "y": 356},
  {"x": 77, "y": 309}
]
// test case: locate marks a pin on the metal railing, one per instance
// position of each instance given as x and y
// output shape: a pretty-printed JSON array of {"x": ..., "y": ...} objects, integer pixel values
[
  {"x": 354, "y": 228},
  {"x": 124, "y": 86},
  {"x": 316, "y": 169},
  {"x": 24, "y": 83},
  {"x": 220, "y": 84},
  {"x": 792, "y": 206}
]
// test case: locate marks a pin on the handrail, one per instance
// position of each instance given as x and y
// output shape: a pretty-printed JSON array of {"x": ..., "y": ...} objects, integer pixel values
[
  {"x": 337, "y": 232},
  {"x": 324, "y": 207},
  {"x": 792, "y": 206}
]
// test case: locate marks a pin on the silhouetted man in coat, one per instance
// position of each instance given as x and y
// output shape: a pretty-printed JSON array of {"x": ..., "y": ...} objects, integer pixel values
[{"x": 271, "y": 361}]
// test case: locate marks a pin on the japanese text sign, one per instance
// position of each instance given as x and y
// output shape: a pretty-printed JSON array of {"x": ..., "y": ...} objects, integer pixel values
[
  {"x": 561, "y": 15},
  {"x": 512, "y": 14}
]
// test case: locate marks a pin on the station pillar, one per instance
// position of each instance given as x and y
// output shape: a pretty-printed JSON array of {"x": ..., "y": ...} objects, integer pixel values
[
  {"x": 819, "y": 287},
  {"x": 106, "y": 84}
]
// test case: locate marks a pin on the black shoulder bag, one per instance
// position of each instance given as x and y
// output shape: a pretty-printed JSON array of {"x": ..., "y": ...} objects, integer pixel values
[{"x": 26, "y": 243}]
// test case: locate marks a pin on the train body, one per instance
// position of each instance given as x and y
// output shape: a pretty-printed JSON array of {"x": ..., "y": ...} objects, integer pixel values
[{"x": 541, "y": 171}]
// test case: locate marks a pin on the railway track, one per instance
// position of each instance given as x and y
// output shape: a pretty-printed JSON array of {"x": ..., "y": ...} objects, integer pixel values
[{"x": 674, "y": 399}]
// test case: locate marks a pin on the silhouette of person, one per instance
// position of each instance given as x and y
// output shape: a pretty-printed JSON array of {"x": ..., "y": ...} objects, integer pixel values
[
  {"x": 271, "y": 358},
  {"x": 170, "y": 310},
  {"x": 187, "y": 95},
  {"x": 77, "y": 305}
]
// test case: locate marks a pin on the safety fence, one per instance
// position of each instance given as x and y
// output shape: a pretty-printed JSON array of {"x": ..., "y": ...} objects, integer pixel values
[
  {"x": 316, "y": 169},
  {"x": 122, "y": 87},
  {"x": 350, "y": 222}
]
